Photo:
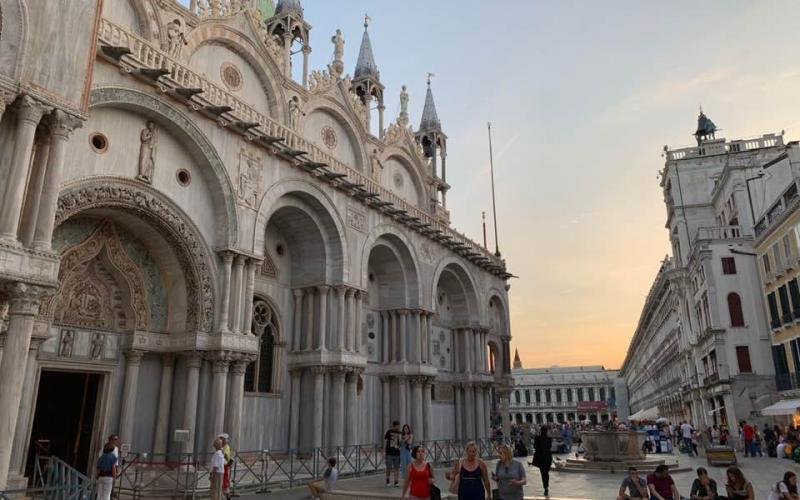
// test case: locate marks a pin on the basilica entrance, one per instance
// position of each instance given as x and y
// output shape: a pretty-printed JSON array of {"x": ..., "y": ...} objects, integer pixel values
[{"x": 64, "y": 418}]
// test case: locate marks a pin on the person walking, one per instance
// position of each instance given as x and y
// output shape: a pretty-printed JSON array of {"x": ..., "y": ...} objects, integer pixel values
[
  {"x": 418, "y": 476},
  {"x": 714, "y": 435},
  {"x": 785, "y": 489},
  {"x": 703, "y": 487},
  {"x": 737, "y": 487},
  {"x": 217, "y": 470},
  {"x": 391, "y": 451},
  {"x": 686, "y": 432},
  {"x": 543, "y": 457},
  {"x": 107, "y": 470},
  {"x": 326, "y": 482},
  {"x": 469, "y": 478},
  {"x": 406, "y": 443},
  {"x": 509, "y": 475},
  {"x": 748, "y": 435},
  {"x": 227, "y": 452}
]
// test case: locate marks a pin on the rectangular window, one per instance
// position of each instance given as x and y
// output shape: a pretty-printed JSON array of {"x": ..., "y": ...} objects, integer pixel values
[
  {"x": 602, "y": 394},
  {"x": 728, "y": 265},
  {"x": 712, "y": 362},
  {"x": 795, "y": 354},
  {"x": 774, "y": 315},
  {"x": 538, "y": 396},
  {"x": 569, "y": 395},
  {"x": 580, "y": 394},
  {"x": 591, "y": 393},
  {"x": 558, "y": 395},
  {"x": 527, "y": 397},
  {"x": 705, "y": 366},
  {"x": 776, "y": 257},
  {"x": 547, "y": 396},
  {"x": 743, "y": 357},
  {"x": 767, "y": 266},
  {"x": 794, "y": 293},
  {"x": 786, "y": 310},
  {"x": 787, "y": 248}
]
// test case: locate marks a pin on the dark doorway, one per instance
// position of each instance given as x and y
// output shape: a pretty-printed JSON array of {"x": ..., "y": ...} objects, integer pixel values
[{"x": 64, "y": 418}]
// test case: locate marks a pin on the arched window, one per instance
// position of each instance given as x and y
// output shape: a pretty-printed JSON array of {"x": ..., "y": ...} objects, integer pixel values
[
  {"x": 258, "y": 377},
  {"x": 735, "y": 309},
  {"x": 527, "y": 397},
  {"x": 516, "y": 396}
]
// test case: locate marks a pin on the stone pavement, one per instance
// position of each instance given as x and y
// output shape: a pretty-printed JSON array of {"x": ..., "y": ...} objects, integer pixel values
[{"x": 763, "y": 472}]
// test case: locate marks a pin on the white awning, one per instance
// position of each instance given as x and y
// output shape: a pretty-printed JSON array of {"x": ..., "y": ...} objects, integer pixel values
[
  {"x": 782, "y": 407},
  {"x": 648, "y": 414}
]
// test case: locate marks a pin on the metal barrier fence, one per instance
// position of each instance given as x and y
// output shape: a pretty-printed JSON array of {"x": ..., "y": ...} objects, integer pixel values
[
  {"x": 187, "y": 475},
  {"x": 54, "y": 479}
]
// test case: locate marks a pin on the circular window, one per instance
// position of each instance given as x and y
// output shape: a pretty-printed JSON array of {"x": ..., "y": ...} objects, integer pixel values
[
  {"x": 183, "y": 177},
  {"x": 398, "y": 180},
  {"x": 279, "y": 250},
  {"x": 98, "y": 142},
  {"x": 231, "y": 76},
  {"x": 328, "y": 137},
  {"x": 371, "y": 335}
]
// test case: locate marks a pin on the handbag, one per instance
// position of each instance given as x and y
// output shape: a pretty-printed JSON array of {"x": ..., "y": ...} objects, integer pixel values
[
  {"x": 436, "y": 493},
  {"x": 455, "y": 481}
]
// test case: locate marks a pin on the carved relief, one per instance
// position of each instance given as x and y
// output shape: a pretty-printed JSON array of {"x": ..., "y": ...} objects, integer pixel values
[
  {"x": 98, "y": 345},
  {"x": 231, "y": 76},
  {"x": 320, "y": 82},
  {"x": 175, "y": 37},
  {"x": 356, "y": 220},
  {"x": 147, "y": 151},
  {"x": 249, "y": 178},
  {"x": 295, "y": 112},
  {"x": 428, "y": 251},
  {"x": 268, "y": 267},
  {"x": 328, "y": 137},
  {"x": 66, "y": 343}
]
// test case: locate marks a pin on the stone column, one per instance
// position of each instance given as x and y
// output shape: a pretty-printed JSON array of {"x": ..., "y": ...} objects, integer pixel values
[
  {"x": 480, "y": 431},
  {"x": 298, "y": 319},
  {"x": 61, "y": 127},
  {"x": 351, "y": 418},
  {"x": 161, "y": 438},
  {"x": 458, "y": 408},
  {"x": 24, "y": 305},
  {"x": 33, "y": 200},
  {"x": 218, "y": 385},
  {"x": 427, "y": 417},
  {"x": 402, "y": 399},
  {"x": 130, "y": 386},
  {"x": 357, "y": 330},
  {"x": 456, "y": 351},
  {"x": 337, "y": 408},
  {"x": 487, "y": 409},
  {"x": 424, "y": 341},
  {"x": 309, "y": 344},
  {"x": 469, "y": 353},
  {"x": 236, "y": 288},
  {"x": 418, "y": 336},
  {"x": 294, "y": 408},
  {"x": 387, "y": 402},
  {"x": 319, "y": 380},
  {"x": 341, "y": 324},
  {"x": 416, "y": 410},
  {"x": 306, "y": 52},
  {"x": 193, "y": 363},
  {"x": 385, "y": 336},
  {"x": 17, "y": 469},
  {"x": 403, "y": 320},
  {"x": 247, "y": 318},
  {"x": 392, "y": 336},
  {"x": 29, "y": 113},
  {"x": 236, "y": 400},
  {"x": 503, "y": 404},
  {"x": 381, "y": 109},
  {"x": 287, "y": 54},
  {"x": 323, "y": 315},
  {"x": 224, "y": 320},
  {"x": 469, "y": 393},
  {"x": 350, "y": 299}
]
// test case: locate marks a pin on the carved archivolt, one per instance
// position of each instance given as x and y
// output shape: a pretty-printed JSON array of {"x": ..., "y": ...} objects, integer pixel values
[{"x": 189, "y": 247}]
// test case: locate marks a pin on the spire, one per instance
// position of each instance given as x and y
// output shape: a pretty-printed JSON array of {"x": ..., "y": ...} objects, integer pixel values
[
  {"x": 365, "y": 66},
  {"x": 289, "y": 7},
  {"x": 517, "y": 361},
  {"x": 429, "y": 117}
]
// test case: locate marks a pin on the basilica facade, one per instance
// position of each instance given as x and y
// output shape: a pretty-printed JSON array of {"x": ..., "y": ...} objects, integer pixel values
[{"x": 201, "y": 234}]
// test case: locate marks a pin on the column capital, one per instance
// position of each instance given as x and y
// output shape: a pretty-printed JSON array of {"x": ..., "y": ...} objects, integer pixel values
[
  {"x": 427, "y": 383},
  {"x": 167, "y": 359},
  {"x": 403, "y": 312},
  {"x": 240, "y": 259},
  {"x": 227, "y": 256},
  {"x": 30, "y": 109},
  {"x": 23, "y": 298},
  {"x": 134, "y": 357},
  {"x": 339, "y": 373},
  {"x": 352, "y": 375},
  {"x": 63, "y": 124},
  {"x": 323, "y": 289},
  {"x": 319, "y": 370},
  {"x": 298, "y": 292},
  {"x": 306, "y": 49},
  {"x": 418, "y": 380},
  {"x": 194, "y": 359},
  {"x": 221, "y": 365},
  {"x": 238, "y": 367}
]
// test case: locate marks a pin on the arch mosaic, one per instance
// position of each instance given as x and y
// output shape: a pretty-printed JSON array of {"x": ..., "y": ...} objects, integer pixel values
[
  {"x": 174, "y": 226},
  {"x": 183, "y": 128}
]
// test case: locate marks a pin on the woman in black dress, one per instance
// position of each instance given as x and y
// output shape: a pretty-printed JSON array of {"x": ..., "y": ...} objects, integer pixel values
[{"x": 543, "y": 456}]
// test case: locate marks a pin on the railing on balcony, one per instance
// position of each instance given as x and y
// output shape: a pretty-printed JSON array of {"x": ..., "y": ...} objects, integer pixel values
[
  {"x": 135, "y": 53},
  {"x": 718, "y": 233},
  {"x": 711, "y": 379}
]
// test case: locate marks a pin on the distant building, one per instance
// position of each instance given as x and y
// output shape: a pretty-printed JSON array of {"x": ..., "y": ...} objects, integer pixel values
[
  {"x": 517, "y": 361},
  {"x": 563, "y": 394}
]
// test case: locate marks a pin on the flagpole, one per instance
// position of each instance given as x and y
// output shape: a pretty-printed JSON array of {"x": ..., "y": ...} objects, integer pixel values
[{"x": 494, "y": 206}]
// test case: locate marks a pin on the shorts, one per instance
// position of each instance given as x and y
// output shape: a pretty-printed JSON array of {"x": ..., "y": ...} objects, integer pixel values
[{"x": 392, "y": 461}]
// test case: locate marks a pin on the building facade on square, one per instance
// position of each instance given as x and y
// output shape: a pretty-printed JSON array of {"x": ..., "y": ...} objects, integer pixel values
[
  {"x": 199, "y": 232},
  {"x": 702, "y": 349},
  {"x": 563, "y": 394}
]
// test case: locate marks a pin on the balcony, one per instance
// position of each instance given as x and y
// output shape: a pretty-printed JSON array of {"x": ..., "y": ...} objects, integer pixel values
[
  {"x": 718, "y": 233},
  {"x": 711, "y": 379},
  {"x": 787, "y": 381}
]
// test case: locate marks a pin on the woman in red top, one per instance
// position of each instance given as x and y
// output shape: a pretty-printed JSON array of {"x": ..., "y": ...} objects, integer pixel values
[{"x": 419, "y": 476}]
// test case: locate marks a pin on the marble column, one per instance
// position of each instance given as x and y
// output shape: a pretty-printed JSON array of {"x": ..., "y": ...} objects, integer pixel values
[
  {"x": 306, "y": 52},
  {"x": 294, "y": 408},
  {"x": 427, "y": 417},
  {"x": 337, "y": 408},
  {"x": 387, "y": 402},
  {"x": 456, "y": 351},
  {"x": 416, "y": 408},
  {"x": 341, "y": 309},
  {"x": 357, "y": 330},
  {"x": 487, "y": 409},
  {"x": 403, "y": 320},
  {"x": 193, "y": 363},
  {"x": 469, "y": 350},
  {"x": 130, "y": 386},
  {"x": 458, "y": 408},
  {"x": 480, "y": 425},
  {"x": 237, "y": 293},
  {"x": 503, "y": 404},
  {"x": 33, "y": 201},
  {"x": 236, "y": 400},
  {"x": 425, "y": 337},
  {"x": 224, "y": 319},
  {"x": 26, "y": 408},
  {"x": 161, "y": 438},
  {"x": 309, "y": 343},
  {"x": 287, "y": 54},
  {"x": 402, "y": 399},
  {"x": 418, "y": 337},
  {"x": 219, "y": 384},
  {"x": 351, "y": 404},
  {"x": 469, "y": 393},
  {"x": 350, "y": 300},
  {"x": 298, "y": 319},
  {"x": 392, "y": 315},
  {"x": 29, "y": 113},
  {"x": 319, "y": 385},
  {"x": 385, "y": 336},
  {"x": 323, "y": 315},
  {"x": 247, "y": 316}
]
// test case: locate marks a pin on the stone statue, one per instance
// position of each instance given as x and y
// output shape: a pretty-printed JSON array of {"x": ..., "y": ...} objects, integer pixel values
[
  {"x": 175, "y": 37},
  {"x": 147, "y": 151},
  {"x": 295, "y": 111},
  {"x": 98, "y": 341},
  {"x": 337, "y": 66},
  {"x": 403, "y": 105},
  {"x": 375, "y": 162},
  {"x": 67, "y": 339}
]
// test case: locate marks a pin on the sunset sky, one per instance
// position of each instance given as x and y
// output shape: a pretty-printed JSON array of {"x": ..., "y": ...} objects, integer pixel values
[{"x": 582, "y": 97}]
